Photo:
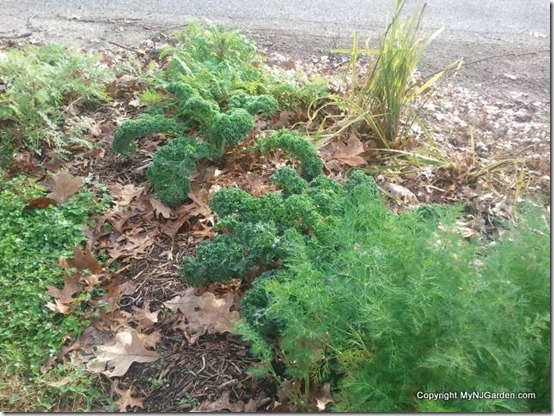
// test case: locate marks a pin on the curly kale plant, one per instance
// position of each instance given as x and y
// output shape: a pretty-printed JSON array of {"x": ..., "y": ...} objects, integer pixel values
[
  {"x": 131, "y": 130},
  {"x": 254, "y": 104},
  {"x": 230, "y": 128},
  {"x": 171, "y": 166},
  {"x": 174, "y": 162},
  {"x": 260, "y": 231},
  {"x": 219, "y": 128},
  {"x": 214, "y": 92},
  {"x": 298, "y": 146},
  {"x": 196, "y": 111}
]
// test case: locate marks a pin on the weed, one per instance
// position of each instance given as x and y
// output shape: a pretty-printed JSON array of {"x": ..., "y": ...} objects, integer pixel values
[
  {"x": 65, "y": 388},
  {"x": 188, "y": 400}
]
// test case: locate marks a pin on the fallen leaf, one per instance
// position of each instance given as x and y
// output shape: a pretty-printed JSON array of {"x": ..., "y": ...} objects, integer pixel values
[
  {"x": 143, "y": 317},
  {"x": 124, "y": 194},
  {"x": 111, "y": 321},
  {"x": 400, "y": 192},
  {"x": 118, "y": 219},
  {"x": 136, "y": 102},
  {"x": 64, "y": 297},
  {"x": 128, "y": 348},
  {"x": 23, "y": 161},
  {"x": 281, "y": 120},
  {"x": 204, "y": 313},
  {"x": 160, "y": 209},
  {"x": 251, "y": 406},
  {"x": 126, "y": 399},
  {"x": 150, "y": 340},
  {"x": 183, "y": 213},
  {"x": 115, "y": 289},
  {"x": 40, "y": 203},
  {"x": 64, "y": 186},
  {"x": 220, "y": 405},
  {"x": 128, "y": 245},
  {"x": 202, "y": 199},
  {"x": 320, "y": 398},
  {"x": 84, "y": 260},
  {"x": 344, "y": 152},
  {"x": 58, "y": 307},
  {"x": 52, "y": 162}
]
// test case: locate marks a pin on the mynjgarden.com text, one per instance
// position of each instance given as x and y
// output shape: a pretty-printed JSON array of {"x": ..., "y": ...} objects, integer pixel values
[{"x": 472, "y": 395}]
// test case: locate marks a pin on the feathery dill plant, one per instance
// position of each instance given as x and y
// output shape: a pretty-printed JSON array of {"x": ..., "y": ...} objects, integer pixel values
[{"x": 386, "y": 305}]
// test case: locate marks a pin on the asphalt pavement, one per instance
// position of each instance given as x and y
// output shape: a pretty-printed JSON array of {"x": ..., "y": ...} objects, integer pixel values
[{"x": 505, "y": 43}]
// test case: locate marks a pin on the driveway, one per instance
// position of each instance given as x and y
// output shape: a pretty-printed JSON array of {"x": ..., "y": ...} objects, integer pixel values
[{"x": 505, "y": 44}]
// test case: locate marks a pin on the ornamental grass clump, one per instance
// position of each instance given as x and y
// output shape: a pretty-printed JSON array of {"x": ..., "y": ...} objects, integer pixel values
[{"x": 378, "y": 104}]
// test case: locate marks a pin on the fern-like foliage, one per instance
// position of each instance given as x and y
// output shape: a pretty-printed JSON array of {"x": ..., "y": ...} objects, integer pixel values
[
  {"x": 130, "y": 130},
  {"x": 216, "y": 61},
  {"x": 299, "y": 147},
  {"x": 385, "y": 306}
]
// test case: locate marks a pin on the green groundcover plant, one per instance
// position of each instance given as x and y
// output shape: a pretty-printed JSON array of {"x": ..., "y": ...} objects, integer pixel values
[
  {"x": 31, "y": 243},
  {"x": 386, "y": 307}
]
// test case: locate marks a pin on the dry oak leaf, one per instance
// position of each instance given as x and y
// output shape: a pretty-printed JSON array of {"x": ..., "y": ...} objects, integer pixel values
[
  {"x": 64, "y": 297},
  {"x": 205, "y": 313},
  {"x": 160, "y": 209},
  {"x": 220, "y": 405},
  {"x": 124, "y": 194},
  {"x": 143, "y": 317},
  {"x": 40, "y": 203},
  {"x": 64, "y": 186},
  {"x": 116, "y": 359},
  {"x": 126, "y": 399},
  {"x": 150, "y": 340},
  {"x": 344, "y": 152},
  {"x": 82, "y": 260}
]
